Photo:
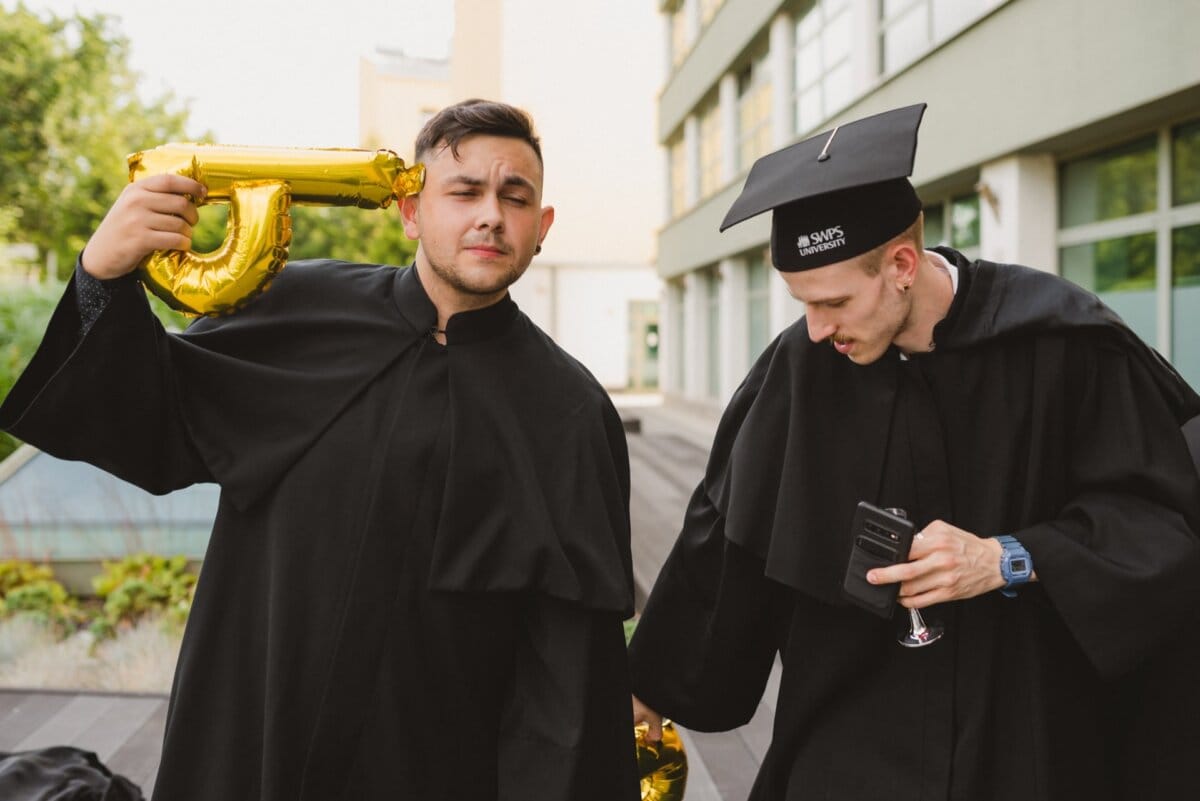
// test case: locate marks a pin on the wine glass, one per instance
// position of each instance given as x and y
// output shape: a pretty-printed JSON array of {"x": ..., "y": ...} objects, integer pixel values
[{"x": 919, "y": 632}]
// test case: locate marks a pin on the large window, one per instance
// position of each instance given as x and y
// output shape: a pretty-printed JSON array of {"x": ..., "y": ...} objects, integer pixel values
[
  {"x": 677, "y": 154},
  {"x": 824, "y": 74},
  {"x": 910, "y": 28},
  {"x": 677, "y": 333},
  {"x": 711, "y": 279},
  {"x": 680, "y": 43},
  {"x": 710, "y": 149},
  {"x": 1130, "y": 232},
  {"x": 754, "y": 111},
  {"x": 708, "y": 10},
  {"x": 954, "y": 222},
  {"x": 758, "y": 304}
]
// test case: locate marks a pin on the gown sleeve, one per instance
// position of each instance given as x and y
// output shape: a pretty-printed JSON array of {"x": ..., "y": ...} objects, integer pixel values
[
  {"x": 704, "y": 646},
  {"x": 106, "y": 396},
  {"x": 1120, "y": 561}
]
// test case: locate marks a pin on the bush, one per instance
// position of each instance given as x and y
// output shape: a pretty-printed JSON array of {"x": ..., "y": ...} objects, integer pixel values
[
  {"x": 15, "y": 574},
  {"x": 142, "y": 585},
  {"x": 30, "y": 590}
]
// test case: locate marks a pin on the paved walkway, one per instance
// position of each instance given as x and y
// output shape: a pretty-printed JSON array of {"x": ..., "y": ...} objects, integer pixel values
[
  {"x": 124, "y": 731},
  {"x": 667, "y": 457},
  {"x": 668, "y": 449}
]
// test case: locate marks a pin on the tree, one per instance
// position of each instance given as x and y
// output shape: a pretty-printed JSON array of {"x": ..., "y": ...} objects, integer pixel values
[
  {"x": 326, "y": 232},
  {"x": 70, "y": 117}
]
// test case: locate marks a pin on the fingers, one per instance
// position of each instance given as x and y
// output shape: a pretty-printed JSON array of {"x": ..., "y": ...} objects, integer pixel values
[
  {"x": 653, "y": 720},
  {"x": 153, "y": 213},
  {"x": 946, "y": 564},
  {"x": 172, "y": 184}
]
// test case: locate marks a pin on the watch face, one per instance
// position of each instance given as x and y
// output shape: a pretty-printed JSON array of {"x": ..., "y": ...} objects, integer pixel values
[{"x": 1018, "y": 565}]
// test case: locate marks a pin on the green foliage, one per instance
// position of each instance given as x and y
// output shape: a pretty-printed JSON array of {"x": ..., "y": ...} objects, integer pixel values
[
  {"x": 71, "y": 115},
  {"x": 15, "y": 574},
  {"x": 142, "y": 585},
  {"x": 30, "y": 590},
  {"x": 24, "y": 312},
  {"x": 350, "y": 234},
  {"x": 325, "y": 232}
]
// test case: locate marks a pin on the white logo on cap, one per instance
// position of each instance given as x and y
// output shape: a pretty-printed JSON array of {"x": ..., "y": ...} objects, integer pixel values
[{"x": 817, "y": 241}]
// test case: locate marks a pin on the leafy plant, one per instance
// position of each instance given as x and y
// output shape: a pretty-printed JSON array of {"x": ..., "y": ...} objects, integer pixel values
[
  {"x": 30, "y": 590},
  {"x": 142, "y": 585},
  {"x": 14, "y": 574},
  {"x": 24, "y": 312}
]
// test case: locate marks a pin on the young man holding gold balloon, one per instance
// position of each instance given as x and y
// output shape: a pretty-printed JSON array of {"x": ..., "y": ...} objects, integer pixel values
[{"x": 416, "y": 580}]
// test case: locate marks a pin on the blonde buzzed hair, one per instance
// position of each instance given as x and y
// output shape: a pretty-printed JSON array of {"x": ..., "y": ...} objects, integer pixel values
[{"x": 872, "y": 261}]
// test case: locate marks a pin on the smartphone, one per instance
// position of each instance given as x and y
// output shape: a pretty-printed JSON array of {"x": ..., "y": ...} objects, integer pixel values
[{"x": 879, "y": 538}]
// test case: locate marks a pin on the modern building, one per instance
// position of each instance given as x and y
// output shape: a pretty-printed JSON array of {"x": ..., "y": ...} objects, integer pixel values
[
  {"x": 73, "y": 517},
  {"x": 588, "y": 73},
  {"x": 1062, "y": 134}
]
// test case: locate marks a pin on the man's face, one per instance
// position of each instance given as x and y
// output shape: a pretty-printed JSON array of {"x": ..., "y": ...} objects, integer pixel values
[
  {"x": 860, "y": 314},
  {"x": 478, "y": 217}
]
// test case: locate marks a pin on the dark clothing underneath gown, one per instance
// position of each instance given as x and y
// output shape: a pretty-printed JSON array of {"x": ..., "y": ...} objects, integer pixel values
[
  {"x": 415, "y": 583},
  {"x": 1063, "y": 435},
  {"x": 61, "y": 773}
]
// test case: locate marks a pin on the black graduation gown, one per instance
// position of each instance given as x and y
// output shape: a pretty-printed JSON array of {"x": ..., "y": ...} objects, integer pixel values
[
  {"x": 1037, "y": 415},
  {"x": 420, "y": 561}
]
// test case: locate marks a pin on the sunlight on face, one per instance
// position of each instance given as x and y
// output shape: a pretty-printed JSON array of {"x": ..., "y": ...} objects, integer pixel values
[
  {"x": 858, "y": 313},
  {"x": 479, "y": 216}
]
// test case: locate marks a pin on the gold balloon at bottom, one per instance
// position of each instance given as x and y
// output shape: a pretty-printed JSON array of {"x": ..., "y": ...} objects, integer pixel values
[{"x": 662, "y": 765}]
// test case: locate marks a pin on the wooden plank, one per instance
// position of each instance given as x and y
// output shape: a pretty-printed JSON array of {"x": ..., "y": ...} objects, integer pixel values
[
  {"x": 116, "y": 726},
  {"x": 664, "y": 470},
  {"x": 137, "y": 759},
  {"x": 700, "y": 785},
  {"x": 756, "y": 734},
  {"x": 65, "y": 725},
  {"x": 728, "y": 761},
  {"x": 29, "y": 714},
  {"x": 9, "y": 700}
]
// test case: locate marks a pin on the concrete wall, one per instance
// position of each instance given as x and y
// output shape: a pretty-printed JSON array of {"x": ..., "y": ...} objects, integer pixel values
[
  {"x": 384, "y": 122},
  {"x": 585, "y": 308},
  {"x": 1033, "y": 76}
]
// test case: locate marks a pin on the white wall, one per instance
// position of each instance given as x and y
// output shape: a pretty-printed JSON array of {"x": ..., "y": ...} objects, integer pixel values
[
  {"x": 593, "y": 97},
  {"x": 585, "y": 308}
]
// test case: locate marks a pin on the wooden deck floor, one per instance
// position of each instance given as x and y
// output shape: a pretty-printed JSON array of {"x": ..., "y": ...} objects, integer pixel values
[
  {"x": 125, "y": 731},
  {"x": 665, "y": 467}
]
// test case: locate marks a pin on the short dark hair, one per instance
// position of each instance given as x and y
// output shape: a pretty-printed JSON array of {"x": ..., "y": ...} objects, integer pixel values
[{"x": 454, "y": 123}]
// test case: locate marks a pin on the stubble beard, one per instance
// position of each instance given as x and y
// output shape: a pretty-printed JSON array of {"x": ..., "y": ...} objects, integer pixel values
[
  {"x": 886, "y": 338},
  {"x": 450, "y": 275}
]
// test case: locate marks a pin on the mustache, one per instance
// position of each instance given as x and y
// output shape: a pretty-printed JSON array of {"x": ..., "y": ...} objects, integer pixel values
[{"x": 487, "y": 242}]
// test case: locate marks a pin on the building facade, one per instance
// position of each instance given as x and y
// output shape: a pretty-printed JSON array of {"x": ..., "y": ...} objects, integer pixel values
[
  {"x": 1062, "y": 134},
  {"x": 588, "y": 73}
]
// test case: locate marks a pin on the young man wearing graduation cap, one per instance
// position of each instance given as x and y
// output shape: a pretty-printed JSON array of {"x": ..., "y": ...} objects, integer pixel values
[
  {"x": 419, "y": 567},
  {"x": 1034, "y": 442}
]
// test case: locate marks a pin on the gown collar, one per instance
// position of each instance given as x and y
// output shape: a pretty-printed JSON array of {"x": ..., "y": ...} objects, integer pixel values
[{"x": 462, "y": 328}]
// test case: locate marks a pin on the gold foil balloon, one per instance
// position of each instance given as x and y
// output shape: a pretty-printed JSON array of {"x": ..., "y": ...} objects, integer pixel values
[
  {"x": 259, "y": 184},
  {"x": 663, "y": 765}
]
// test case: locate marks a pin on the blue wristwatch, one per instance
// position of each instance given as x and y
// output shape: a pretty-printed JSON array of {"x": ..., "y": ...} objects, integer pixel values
[{"x": 1016, "y": 565}]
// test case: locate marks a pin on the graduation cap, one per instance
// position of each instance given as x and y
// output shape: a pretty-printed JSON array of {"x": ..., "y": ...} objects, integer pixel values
[{"x": 838, "y": 194}]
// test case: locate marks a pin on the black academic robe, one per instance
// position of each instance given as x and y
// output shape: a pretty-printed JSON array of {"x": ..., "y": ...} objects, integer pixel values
[
  {"x": 420, "y": 563},
  {"x": 1037, "y": 414}
]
